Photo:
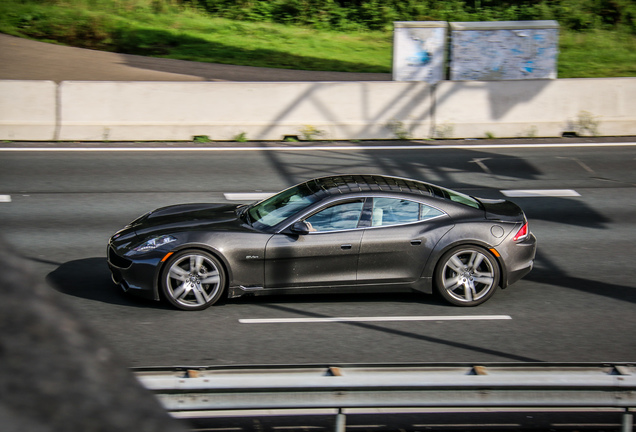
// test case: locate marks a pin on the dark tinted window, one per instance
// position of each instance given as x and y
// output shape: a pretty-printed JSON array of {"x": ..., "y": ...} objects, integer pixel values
[
  {"x": 337, "y": 217},
  {"x": 394, "y": 211}
]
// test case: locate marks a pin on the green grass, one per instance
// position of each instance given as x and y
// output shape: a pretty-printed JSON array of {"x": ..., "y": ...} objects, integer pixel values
[
  {"x": 188, "y": 34},
  {"x": 162, "y": 28},
  {"x": 596, "y": 54}
]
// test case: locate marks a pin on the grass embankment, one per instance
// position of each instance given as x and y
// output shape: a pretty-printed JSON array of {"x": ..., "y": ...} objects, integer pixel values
[{"x": 170, "y": 30}]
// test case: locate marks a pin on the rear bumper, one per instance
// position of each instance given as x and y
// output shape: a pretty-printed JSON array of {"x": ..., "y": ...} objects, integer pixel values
[{"x": 519, "y": 259}]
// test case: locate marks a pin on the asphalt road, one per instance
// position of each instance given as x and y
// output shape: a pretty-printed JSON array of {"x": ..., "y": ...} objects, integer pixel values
[{"x": 58, "y": 210}]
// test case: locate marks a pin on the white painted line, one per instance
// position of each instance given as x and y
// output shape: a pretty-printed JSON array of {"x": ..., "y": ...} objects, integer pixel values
[
  {"x": 5, "y": 198},
  {"x": 372, "y": 319},
  {"x": 518, "y": 193},
  {"x": 248, "y": 196},
  {"x": 310, "y": 148}
]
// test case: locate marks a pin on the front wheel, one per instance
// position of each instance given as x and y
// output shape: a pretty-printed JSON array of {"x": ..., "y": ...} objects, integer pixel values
[
  {"x": 467, "y": 275},
  {"x": 193, "y": 280}
]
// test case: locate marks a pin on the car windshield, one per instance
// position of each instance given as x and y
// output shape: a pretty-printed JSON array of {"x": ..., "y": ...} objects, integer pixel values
[{"x": 275, "y": 209}]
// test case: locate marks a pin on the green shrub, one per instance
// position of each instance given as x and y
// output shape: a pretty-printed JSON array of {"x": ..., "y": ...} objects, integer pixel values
[{"x": 597, "y": 37}]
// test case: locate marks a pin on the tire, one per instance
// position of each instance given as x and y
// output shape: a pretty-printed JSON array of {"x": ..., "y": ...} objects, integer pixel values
[
  {"x": 193, "y": 280},
  {"x": 467, "y": 275}
]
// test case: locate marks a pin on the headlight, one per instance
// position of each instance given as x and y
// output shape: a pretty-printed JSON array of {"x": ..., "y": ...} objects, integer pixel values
[{"x": 152, "y": 244}]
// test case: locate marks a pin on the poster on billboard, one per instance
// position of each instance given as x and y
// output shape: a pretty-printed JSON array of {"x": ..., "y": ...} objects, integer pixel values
[
  {"x": 419, "y": 50},
  {"x": 503, "y": 50}
]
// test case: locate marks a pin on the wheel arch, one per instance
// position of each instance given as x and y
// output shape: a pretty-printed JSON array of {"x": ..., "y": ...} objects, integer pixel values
[
  {"x": 434, "y": 261},
  {"x": 193, "y": 247}
]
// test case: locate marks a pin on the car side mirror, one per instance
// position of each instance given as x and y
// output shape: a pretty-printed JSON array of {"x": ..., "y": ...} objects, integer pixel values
[{"x": 300, "y": 227}]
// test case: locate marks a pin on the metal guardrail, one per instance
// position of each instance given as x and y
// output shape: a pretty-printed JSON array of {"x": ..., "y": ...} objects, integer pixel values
[{"x": 489, "y": 385}]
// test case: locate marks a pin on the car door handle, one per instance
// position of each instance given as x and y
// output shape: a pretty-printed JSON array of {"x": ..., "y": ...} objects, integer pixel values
[
  {"x": 416, "y": 242},
  {"x": 345, "y": 247}
]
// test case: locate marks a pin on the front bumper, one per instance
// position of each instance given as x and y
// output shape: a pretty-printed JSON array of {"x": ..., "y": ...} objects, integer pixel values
[{"x": 136, "y": 276}]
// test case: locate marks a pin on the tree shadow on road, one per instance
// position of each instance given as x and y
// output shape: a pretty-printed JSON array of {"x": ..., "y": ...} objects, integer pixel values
[
  {"x": 491, "y": 174},
  {"x": 547, "y": 273},
  {"x": 413, "y": 336}
]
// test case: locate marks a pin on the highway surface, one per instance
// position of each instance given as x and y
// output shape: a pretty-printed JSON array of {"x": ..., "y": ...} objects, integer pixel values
[{"x": 58, "y": 209}]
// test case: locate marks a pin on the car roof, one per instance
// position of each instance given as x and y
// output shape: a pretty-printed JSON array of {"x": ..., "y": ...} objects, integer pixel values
[{"x": 346, "y": 184}]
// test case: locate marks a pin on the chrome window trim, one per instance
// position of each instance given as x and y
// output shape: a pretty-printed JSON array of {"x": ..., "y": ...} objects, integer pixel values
[
  {"x": 407, "y": 223},
  {"x": 329, "y": 204},
  {"x": 443, "y": 213},
  {"x": 364, "y": 198}
]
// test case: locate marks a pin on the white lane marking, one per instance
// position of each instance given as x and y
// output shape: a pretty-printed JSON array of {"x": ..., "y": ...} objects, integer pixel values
[
  {"x": 257, "y": 196},
  {"x": 372, "y": 319},
  {"x": 248, "y": 196},
  {"x": 482, "y": 165},
  {"x": 5, "y": 198},
  {"x": 518, "y": 193},
  {"x": 308, "y": 148}
]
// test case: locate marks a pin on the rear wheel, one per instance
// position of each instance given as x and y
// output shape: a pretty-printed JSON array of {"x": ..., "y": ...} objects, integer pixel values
[
  {"x": 467, "y": 275},
  {"x": 193, "y": 280}
]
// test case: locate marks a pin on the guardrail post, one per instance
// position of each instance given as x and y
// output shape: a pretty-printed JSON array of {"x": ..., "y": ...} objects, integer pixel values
[
  {"x": 341, "y": 421},
  {"x": 628, "y": 421}
]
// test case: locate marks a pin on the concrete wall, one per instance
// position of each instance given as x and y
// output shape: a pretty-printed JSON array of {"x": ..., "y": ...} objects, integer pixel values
[
  {"x": 116, "y": 111},
  {"x": 178, "y": 111},
  {"x": 536, "y": 108},
  {"x": 28, "y": 110}
]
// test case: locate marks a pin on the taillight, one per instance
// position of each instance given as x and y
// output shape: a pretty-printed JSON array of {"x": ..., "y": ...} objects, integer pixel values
[{"x": 522, "y": 233}]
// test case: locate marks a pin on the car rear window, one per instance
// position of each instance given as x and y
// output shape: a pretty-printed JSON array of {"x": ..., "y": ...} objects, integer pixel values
[{"x": 455, "y": 196}]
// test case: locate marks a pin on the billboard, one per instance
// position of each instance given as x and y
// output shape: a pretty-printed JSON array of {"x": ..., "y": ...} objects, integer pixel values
[{"x": 503, "y": 50}]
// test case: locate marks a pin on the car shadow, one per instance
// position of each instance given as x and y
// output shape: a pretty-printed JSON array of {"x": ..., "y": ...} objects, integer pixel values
[
  {"x": 335, "y": 297},
  {"x": 90, "y": 279}
]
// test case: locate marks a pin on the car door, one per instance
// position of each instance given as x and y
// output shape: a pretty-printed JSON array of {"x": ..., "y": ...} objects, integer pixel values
[
  {"x": 401, "y": 237},
  {"x": 325, "y": 256}
]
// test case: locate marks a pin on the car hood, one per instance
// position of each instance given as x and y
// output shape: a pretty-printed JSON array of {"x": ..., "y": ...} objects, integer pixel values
[
  {"x": 190, "y": 216},
  {"x": 218, "y": 217},
  {"x": 502, "y": 210}
]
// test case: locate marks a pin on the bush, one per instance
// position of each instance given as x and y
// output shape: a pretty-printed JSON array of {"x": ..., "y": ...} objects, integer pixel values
[{"x": 380, "y": 14}]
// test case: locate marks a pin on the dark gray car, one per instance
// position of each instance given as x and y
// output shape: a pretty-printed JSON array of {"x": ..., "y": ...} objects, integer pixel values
[{"x": 344, "y": 233}]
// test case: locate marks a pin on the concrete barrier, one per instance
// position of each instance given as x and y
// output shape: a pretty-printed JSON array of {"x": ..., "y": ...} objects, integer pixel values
[
  {"x": 537, "y": 108},
  {"x": 28, "y": 110},
  {"x": 98, "y": 111},
  {"x": 179, "y": 111}
]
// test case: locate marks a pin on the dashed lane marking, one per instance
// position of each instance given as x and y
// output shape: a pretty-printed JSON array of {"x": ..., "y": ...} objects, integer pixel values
[
  {"x": 516, "y": 193},
  {"x": 247, "y": 196},
  {"x": 522, "y": 193},
  {"x": 5, "y": 198}
]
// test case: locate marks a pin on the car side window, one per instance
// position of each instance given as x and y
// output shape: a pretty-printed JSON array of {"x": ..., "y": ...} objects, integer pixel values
[
  {"x": 394, "y": 211},
  {"x": 427, "y": 212},
  {"x": 337, "y": 217}
]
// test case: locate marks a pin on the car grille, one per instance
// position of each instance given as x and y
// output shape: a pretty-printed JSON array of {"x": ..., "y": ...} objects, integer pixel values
[{"x": 116, "y": 260}]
